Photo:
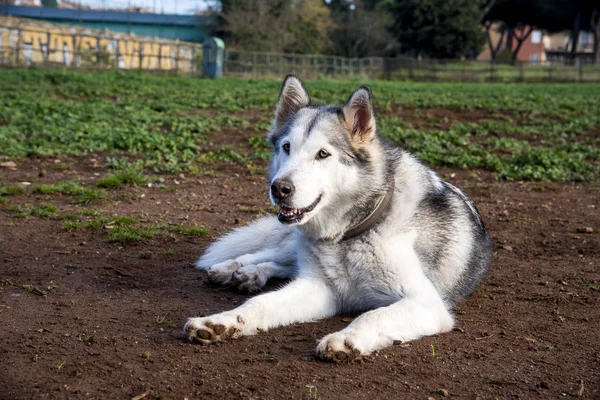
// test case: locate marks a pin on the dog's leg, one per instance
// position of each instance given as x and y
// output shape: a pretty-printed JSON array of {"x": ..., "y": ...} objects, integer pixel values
[
  {"x": 264, "y": 233},
  {"x": 252, "y": 278},
  {"x": 303, "y": 300},
  {"x": 417, "y": 315},
  {"x": 252, "y": 271},
  {"x": 263, "y": 241}
]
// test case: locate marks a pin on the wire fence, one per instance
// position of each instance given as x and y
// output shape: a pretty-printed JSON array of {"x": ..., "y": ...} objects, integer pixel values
[{"x": 261, "y": 64}]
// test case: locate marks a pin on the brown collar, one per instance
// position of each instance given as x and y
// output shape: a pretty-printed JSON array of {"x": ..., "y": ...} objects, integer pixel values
[{"x": 372, "y": 219}]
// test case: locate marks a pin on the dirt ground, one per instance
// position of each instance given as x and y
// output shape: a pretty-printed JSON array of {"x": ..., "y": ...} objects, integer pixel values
[{"x": 105, "y": 319}]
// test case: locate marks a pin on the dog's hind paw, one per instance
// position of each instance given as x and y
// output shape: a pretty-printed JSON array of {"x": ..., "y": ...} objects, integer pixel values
[
  {"x": 222, "y": 272},
  {"x": 250, "y": 278},
  {"x": 215, "y": 328},
  {"x": 339, "y": 348}
]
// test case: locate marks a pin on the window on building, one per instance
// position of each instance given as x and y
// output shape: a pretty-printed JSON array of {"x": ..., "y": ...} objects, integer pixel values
[
  {"x": 534, "y": 59},
  {"x": 585, "y": 38},
  {"x": 536, "y": 37}
]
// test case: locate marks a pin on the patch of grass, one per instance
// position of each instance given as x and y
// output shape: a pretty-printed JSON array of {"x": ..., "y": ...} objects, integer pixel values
[
  {"x": 71, "y": 225},
  {"x": 93, "y": 224},
  {"x": 312, "y": 392},
  {"x": 164, "y": 321},
  {"x": 148, "y": 357},
  {"x": 109, "y": 182},
  {"x": 80, "y": 194},
  {"x": 16, "y": 208},
  {"x": 196, "y": 230},
  {"x": 3, "y": 200},
  {"x": 67, "y": 216},
  {"x": 89, "y": 196},
  {"x": 34, "y": 290},
  {"x": 131, "y": 233},
  {"x": 86, "y": 339},
  {"x": 526, "y": 131},
  {"x": 170, "y": 188},
  {"x": 41, "y": 211},
  {"x": 129, "y": 176},
  {"x": 270, "y": 358},
  {"x": 223, "y": 154},
  {"x": 593, "y": 286},
  {"x": 262, "y": 148},
  {"x": 11, "y": 190},
  {"x": 120, "y": 220},
  {"x": 90, "y": 212}
]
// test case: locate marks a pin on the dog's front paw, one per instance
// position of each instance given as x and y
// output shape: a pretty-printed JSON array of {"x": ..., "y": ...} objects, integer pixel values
[
  {"x": 215, "y": 328},
  {"x": 250, "y": 278},
  {"x": 222, "y": 272},
  {"x": 340, "y": 347}
]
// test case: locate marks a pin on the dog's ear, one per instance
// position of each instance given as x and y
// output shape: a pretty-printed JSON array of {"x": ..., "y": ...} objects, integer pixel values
[
  {"x": 359, "y": 115},
  {"x": 293, "y": 97}
]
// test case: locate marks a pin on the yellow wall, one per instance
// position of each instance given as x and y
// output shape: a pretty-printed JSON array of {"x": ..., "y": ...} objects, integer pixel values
[{"x": 29, "y": 42}]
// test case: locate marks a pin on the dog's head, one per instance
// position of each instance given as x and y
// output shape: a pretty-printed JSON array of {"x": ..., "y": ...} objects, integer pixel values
[{"x": 321, "y": 154}]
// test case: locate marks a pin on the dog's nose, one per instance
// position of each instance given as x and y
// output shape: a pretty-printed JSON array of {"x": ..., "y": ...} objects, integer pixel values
[{"x": 281, "y": 188}]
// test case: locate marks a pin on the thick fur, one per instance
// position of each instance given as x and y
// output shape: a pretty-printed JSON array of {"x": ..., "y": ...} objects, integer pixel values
[{"x": 428, "y": 250}]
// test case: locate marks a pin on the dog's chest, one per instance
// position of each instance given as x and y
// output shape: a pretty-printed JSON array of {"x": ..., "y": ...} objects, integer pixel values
[{"x": 358, "y": 273}]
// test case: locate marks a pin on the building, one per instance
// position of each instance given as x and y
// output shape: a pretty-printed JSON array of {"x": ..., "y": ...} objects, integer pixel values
[
  {"x": 188, "y": 28},
  {"x": 542, "y": 48}
]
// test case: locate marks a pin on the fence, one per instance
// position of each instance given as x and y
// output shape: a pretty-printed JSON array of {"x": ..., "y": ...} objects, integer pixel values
[
  {"x": 261, "y": 64},
  {"x": 27, "y": 42},
  {"x": 481, "y": 71}
]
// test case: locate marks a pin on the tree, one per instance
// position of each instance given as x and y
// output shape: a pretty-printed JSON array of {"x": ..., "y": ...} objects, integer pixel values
[
  {"x": 595, "y": 28},
  {"x": 310, "y": 28},
  {"x": 437, "y": 28},
  {"x": 360, "y": 29},
  {"x": 50, "y": 3},
  {"x": 276, "y": 25}
]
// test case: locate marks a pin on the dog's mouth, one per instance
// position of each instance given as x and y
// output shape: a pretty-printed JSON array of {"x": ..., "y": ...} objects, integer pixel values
[{"x": 289, "y": 215}]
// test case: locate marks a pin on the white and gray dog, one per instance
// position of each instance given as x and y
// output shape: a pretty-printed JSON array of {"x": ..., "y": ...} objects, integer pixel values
[{"x": 363, "y": 228}]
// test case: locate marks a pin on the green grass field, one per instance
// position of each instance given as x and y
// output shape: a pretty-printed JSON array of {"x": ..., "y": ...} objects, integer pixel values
[{"x": 517, "y": 131}]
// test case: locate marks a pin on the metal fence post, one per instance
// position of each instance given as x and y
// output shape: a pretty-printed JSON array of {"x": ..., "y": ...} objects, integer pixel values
[{"x": 521, "y": 72}]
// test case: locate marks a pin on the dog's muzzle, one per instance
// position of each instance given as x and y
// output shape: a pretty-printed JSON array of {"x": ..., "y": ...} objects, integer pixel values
[{"x": 288, "y": 215}]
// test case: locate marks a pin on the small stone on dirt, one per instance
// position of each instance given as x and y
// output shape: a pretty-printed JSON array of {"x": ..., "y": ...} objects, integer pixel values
[
  {"x": 8, "y": 164},
  {"x": 443, "y": 392},
  {"x": 587, "y": 229}
]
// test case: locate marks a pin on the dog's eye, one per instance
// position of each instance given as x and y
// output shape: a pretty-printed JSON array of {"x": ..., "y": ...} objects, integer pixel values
[
  {"x": 323, "y": 154},
  {"x": 286, "y": 147}
]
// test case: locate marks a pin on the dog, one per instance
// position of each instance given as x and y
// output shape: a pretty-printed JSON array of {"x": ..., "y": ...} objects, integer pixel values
[{"x": 363, "y": 227}]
